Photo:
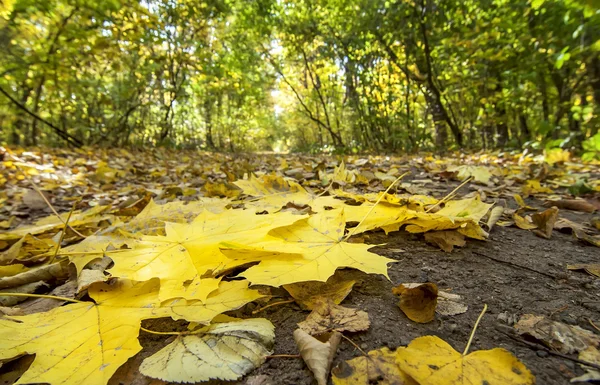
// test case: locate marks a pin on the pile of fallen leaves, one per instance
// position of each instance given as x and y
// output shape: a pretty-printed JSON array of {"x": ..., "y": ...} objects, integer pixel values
[{"x": 95, "y": 242}]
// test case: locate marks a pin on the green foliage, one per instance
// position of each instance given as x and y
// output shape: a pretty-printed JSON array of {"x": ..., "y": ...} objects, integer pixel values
[{"x": 315, "y": 76}]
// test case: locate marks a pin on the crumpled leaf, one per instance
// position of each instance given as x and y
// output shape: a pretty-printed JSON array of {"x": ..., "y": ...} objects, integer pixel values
[
  {"x": 591, "y": 355},
  {"x": 450, "y": 304},
  {"x": 564, "y": 338},
  {"x": 545, "y": 222},
  {"x": 316, "y": 354},
  {"x": 378, "y": 368},
  {"x": 226, "y": 349},
  {"x": 591, "y": 239},
  {"x": 28, "y": 250},
  {"x": 28, "y": 288},
  {"x": 327, "y": 316},
  {"x": 57, "y": 270},
  {"x": 446, "y": 240},
  {"x": 494, "y": 215},
  {"x": 430, "y": 360},
  {"x": 84, "y": 343},
  {"x": 306, "y": 294},
  {"x": 418, "y": 302},
  {"x": 480, "y": 174}
]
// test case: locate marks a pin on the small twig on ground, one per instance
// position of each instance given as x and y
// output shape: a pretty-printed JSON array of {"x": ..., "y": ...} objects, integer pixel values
[
  {"x": 450, "y": 195},
  {"x": 284, "y": 356},
  {"x": 355, "y": 345},
  {"x": 559, "y": 310},
  {"x": 272, "y": 304},
  {"x": 509, "y": 332},
  {"x": 514, "y": 265},
  {"x": 593, "y": 324}
]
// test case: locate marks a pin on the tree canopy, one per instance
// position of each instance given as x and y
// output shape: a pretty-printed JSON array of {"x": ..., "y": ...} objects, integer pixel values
[{"x": 318, "y": 75}]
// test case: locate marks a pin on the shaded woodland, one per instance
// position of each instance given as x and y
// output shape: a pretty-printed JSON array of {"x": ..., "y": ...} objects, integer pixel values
[{"x": 318, "y": 76}]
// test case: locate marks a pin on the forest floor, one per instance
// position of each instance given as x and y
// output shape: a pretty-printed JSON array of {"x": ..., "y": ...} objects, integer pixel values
[{"x": 514, "y": 271}]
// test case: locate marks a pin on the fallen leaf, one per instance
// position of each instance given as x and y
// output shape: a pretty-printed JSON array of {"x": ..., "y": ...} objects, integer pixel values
[
  {"x": 591, "y": 239},
  {"x": 33, "y": 200},
  {"x": 316, "y": 354},
  {"x": 85, "y": 343},
  {"x": 57, "y": 270},
  {"x": 521, "y": 203},
  {"x": 562, "y": 224},
  {"x": 494, "y": 215},
  {"x": 523, "y": 222},
  {"x": 378, "y": 368},
  {"x": 28, "y": 250},
  {"x": 572, "y": 204},
  {"x": 418, "y": 302},
  {"x": 226, "y": 349},
  {"x": 327, "y": 316},
  {"x": 430, "y": 360},
  {"x": 307, "y": 293},
  {"x": 450, "y": 304},
  {"x": 591, "y": 355},
  {"x": 28, "y": 288},
  {"x": 446, "y": 240},
  {"x": 564, "y": 338},
  {"x": 590, "y": 268},
  {"x": 545, "y": 222}
]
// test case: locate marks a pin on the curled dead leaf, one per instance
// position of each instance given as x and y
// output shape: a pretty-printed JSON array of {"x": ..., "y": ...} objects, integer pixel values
[
  {"x": 572, "y": 204},
  {"x": 545, "y": 222},
  {"x": 418, "y": 302},
  {"x": 307, "y": 293},
  {"x": 316, "y": 354}
]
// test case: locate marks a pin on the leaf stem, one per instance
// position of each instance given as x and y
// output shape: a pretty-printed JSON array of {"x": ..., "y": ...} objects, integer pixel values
[
  {"x": 449, "y": 196},
  {"x": 272, "y": 304},
  {"x": 62, "y": 234},
  {"x": 42, "y": 296},
  {"x": 354, "y": 344},
  {"x": 351, "y": 233},
  {"x": 475, "y": 329},
  {"x": 285, "y": 356}
]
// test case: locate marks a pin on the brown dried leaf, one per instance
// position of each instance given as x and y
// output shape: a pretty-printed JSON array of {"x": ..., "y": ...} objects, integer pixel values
[
  {"x": 418, "y": 303},
  {"x": 307, "y": 293},
  {"x": 523, "y": 222},
  {"x": 327, "y": 316},
  {"x": 378, "y": 368},
  {"x": 445, "y": 240},
  {"x": 572, "y": 204},
  {"x": 545, "y": 222},
  {"x": 58, "y": 270},
  {"x": 316, "y": 354},
  {"x": 565, "y": 338},
  {"x": 592, "y": 240}
]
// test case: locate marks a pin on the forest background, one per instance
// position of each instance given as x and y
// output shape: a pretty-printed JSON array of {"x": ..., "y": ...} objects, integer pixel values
[{"x": 319, "y": 75}]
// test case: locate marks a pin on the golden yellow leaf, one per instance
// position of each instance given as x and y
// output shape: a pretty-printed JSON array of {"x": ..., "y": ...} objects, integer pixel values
[
  {"x": 534, "y": 187},
  {"x": 378, "y": 368},
  {"x": 226, "y": 349},
  {"x": 480, "y": 174},
  {"x": 418, "y": 302},
  {"x": 430, "y": 360},
  {"x": 494, "y": 215},
  {"x": 523, "y": 222},
  {"x": 310, "y": 249},
  {"x": 28, "y": 250},
  {"x": 591, "y": 239},
  {"x": 228, "y": 190},
  {"x": 521, "y": 203},
  {"x": 306, "y": 294},
  {"x": 85, "y": 343},
  {"x": 190, "y": 250}
]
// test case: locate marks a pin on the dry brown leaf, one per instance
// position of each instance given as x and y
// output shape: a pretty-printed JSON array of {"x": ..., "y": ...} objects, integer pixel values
[
  {"x": 307, "y": 293},
  {"x": 316, "y": 354},
  {"x": 572, "y": 204},
  {"x": 38, "y": 305},
  {"x": 450, "y": 304},
  {"x": 590, "y": 268},
  {"x": 327, "y": 316},
  {"x": 379, "y": 367},
  {"x": 58, "y": 270},
  {"x": 419, "y": 302},
  {"x": 28, "y": 250},
  {"x": 565, "y": 225},
  {"x": 446, "y": 240},
  {"x": 545, "y": 222},
  {"x": 564, "y": 338},
  {"x": 592, "y": 240}
]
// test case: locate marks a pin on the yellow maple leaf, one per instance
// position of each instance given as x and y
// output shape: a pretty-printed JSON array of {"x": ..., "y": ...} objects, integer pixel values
[
  {"x": 86, "y": 342},
  {"x": 430, "y": 360},
  {"x": 188, "y": 251},
  {"x": 310, "y": 249}
]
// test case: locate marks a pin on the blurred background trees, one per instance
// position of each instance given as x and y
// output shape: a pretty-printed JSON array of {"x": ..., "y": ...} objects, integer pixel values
[{"x": 306, "y": 75}]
